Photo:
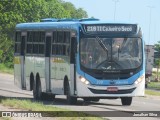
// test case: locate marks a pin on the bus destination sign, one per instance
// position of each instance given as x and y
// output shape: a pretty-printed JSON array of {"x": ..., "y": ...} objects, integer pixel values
[{"x": 110, "y": 28}]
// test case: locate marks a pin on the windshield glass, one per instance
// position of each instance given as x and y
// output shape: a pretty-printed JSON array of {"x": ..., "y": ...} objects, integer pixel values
[{"x": 111, "y": 53}]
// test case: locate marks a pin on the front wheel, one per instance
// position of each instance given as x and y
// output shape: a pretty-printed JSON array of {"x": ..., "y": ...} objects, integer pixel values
[
  {"x": 70, "y": 99},
  {"x": 126, "y": 100}
]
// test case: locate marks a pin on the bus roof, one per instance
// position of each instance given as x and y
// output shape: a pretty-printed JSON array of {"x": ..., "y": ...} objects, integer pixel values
[{"x": 49, "y": 23}]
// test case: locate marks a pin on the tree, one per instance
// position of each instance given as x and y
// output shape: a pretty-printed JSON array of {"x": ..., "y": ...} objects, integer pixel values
[
  {"x": 13, "y": 12},
  {"x": 74, "y": 13},
  {"x": 80, "y": 13}
]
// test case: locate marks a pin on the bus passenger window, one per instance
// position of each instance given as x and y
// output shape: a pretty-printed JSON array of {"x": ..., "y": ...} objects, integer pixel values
[
  {"x": 60, "y": 37},
  {"x": 67, "y": 50},
  {"x": 54, "y": 36},
  {"x": 41, "y": 48},
  {"x": 64, "y": 50},
  {"x": 18, "y": 36},
  {"x": 29, "y": 48},
  {"x": 53, "y": 49},
  {"x": 17, "y": 48},
  {"x": 35, "y": 48},
  {"x": 17, "y": 42},
  {"x": 67, "y": 37},
  {"x": 42, "y": 36},
  {"x": 30, "y": 37},
  {"x": 36, "y": 37}
]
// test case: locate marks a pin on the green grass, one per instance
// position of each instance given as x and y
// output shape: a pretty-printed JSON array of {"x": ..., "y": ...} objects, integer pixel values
[
  {"x": 38, "y": 106},
  {"x": 5, "y": 118},
  {"x": 154, "y": 85},
  {"x": 152, "y": 92},
  {"x": 4, "y": 69}
]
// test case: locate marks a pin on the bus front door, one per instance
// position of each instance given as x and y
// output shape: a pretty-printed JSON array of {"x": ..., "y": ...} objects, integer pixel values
[
  {"x": 47, "y": 62},
  {"x": 23, "y": 49}
]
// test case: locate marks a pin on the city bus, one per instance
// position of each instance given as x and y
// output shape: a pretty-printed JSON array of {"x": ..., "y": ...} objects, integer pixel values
[{"x": 80, "y": 58}]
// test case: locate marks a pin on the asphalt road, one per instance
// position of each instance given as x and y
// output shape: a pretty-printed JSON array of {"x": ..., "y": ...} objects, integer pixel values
[{"x": 139, "y": 104}]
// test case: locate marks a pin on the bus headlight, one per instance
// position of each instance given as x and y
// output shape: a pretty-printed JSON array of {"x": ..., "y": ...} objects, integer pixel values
[
  {"x": 140, "y": 79},
  {"x": 84, "y": 80}
]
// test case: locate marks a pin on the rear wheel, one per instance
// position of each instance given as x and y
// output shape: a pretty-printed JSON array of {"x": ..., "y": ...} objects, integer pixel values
[
  {"x": 34, "y": 90},
  {"x": 126, "y": 100},
  {"x": 70, "y": 99},
  {"x": 37, "y": 91},
  {"x": 46, "y": 96}
]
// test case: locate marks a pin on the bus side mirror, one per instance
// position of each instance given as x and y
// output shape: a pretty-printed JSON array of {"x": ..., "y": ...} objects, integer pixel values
[{"x": 73, "y": 50}]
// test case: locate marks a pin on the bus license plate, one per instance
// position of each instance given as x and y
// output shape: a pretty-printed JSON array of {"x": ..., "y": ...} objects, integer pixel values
[{"x": 112, "y": 89}]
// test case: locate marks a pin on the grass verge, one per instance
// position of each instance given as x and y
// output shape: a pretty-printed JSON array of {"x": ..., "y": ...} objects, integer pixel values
[
  {"x": 154, "y": 85},
  {"x": 29, "y": 105},
  {"x": 152, "y": 92},
  {"x": 4, "y": 69},
  {"x": 5, "y": 118}
]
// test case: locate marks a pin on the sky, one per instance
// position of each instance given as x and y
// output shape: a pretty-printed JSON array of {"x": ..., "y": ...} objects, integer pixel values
[{"x": 135, "y": 11}]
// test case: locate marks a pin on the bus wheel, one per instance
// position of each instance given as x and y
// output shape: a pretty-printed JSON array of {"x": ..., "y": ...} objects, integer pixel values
[
  {"x": 126, "y": 100},
  {"x": 34, "y": 90},
  {"x": 46, "y": 96},
  {"x": 70, "y": 100},
  {"x": 39, "y": 91}
]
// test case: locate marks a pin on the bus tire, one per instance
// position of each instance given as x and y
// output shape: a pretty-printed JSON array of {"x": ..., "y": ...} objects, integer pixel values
[
  {"x": 49, "y": 97},
  {"x": 70, "y": 100},
  {"x": 34, "y": 90},
  {"x": 126, "y": 100},
  {"x": 39, "y": 90}
]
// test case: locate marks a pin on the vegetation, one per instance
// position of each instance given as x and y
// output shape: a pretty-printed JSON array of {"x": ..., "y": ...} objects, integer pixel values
[
  {"x": 152, "y": 92},
  {"x": 38, "y": 106},
  {"x": 13, "y": 12},
  {"x": 154, "y": 85},
  {"x": 4, "y": 69}
]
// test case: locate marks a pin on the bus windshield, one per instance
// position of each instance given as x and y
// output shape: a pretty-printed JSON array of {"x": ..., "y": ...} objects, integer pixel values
[{"x": 111, "y": 53}]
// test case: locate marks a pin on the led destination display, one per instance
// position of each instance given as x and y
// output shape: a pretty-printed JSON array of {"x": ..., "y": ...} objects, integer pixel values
[{"x": 110, "y": 28}]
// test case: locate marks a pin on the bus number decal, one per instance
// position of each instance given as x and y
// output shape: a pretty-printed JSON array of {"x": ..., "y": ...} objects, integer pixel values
[{"x": 99, "y": 82}]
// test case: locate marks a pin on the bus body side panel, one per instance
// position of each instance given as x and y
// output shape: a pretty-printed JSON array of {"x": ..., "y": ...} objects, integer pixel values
[
  {"x": 47, "y": 74},
  {"x": 29, "y": 61},
  {"x": 17, "y": 71},
  {"x": 72, "y": 70},
  {"x": 59, "y": 69},
  {"x": 39, "y": 68}
]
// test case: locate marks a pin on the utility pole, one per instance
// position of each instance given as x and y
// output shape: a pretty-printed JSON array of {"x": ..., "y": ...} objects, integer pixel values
[
  {"x": 150, "y": 12},
  {"x": 115, "y": 1}
]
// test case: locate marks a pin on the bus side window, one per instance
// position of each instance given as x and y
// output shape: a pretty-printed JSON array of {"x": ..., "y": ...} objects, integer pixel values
[
  {"x": 17, "y": 42},
  {"x": 60, "y": 37},
  {"x": 35, "y": 42},
  {"x": 66, "y": 48},
  {"x": 54, "y": 37},
  {"x": 41, "y": 43},
  {"x": 67, "y": 37},
  {"x": 29, "y": 42}
]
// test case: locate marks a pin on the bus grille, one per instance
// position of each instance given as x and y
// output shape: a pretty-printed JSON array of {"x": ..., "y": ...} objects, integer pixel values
[{"x": 111, "y": 92}]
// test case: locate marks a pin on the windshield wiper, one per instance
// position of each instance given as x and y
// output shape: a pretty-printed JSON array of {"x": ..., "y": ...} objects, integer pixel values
[{"x": 102, "y": 45}]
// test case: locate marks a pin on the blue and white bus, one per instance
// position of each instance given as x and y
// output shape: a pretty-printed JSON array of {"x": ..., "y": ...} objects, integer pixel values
[{"x": 83, "y": 58}]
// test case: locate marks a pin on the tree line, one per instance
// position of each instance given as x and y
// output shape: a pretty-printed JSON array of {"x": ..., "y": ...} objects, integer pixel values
[{"x": 13, "y": 12}]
